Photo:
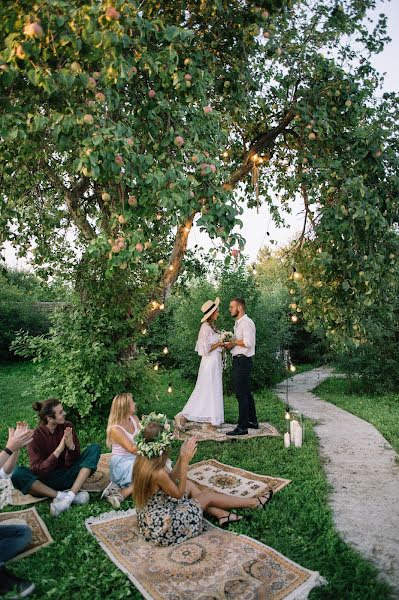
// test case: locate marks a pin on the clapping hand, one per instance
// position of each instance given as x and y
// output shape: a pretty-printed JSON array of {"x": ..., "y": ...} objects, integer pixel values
[
  {"x": 68, "y": 438},
  {"x": 188, "y": 449},
  {"x": 19, "y": 437}
]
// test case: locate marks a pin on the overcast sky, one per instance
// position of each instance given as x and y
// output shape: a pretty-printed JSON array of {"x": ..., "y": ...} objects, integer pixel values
[{"x": 256, "y": 225}]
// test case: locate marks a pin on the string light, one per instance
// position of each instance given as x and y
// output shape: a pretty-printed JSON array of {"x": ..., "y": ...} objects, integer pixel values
[
  {"x": 165, "y": 350},
  {"x": 294, "y": 318},
  {"x": 254, "y": 269},
  {"x": 144, "y": 331},
  {"x": 154, "y": 303},
  {"x": 287, "y": 413},
  {"x": 292, "y": 368},
  {"x": 170, "y": 389},
  {"x": 225, "y": 154},
  {"x": 171, "y": 268},
  {"x": 161, "y": 306},
  {"x": 156, "y": 367}
]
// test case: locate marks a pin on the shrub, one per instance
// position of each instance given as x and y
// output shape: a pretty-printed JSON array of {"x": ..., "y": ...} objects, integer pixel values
[
  {"x": 80, "y": 360},
  {"x": 18, "y": 291}
]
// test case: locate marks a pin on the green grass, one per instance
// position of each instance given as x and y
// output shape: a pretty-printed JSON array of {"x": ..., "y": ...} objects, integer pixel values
[
  {"x": 297, "y": 523},
  {"x": 382, "y": 411}
]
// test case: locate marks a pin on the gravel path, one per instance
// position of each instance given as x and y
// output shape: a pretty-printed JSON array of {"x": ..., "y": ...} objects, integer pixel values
[{"x": 363, "y": 470}]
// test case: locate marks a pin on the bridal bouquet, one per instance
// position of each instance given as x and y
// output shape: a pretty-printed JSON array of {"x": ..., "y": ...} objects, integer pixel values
[{"x": 226, "y": 336}]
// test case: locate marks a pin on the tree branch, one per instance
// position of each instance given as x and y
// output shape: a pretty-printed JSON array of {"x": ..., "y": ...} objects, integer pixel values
[
  {"x": 173, "y": 269},
  {"x": 71, "y": 197},
  {"x": 265, "y": 140}
]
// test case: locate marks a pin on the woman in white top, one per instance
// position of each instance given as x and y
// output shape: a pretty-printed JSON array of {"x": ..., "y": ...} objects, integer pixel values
[
  {"x": 205, "y": 404},
  {"x": 123, "y": 425}
]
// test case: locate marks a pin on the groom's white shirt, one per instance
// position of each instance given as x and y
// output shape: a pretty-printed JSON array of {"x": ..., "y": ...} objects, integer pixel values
[{"x": 244, "y": 329}]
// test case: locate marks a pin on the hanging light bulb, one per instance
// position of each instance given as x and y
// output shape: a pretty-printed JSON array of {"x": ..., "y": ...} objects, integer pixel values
[
  {"x": 165, "y": 350},
  {"x": 161, "y": 306},
  {"x": 170, "y": 267},
  {"x": 144, "y": 331},
  {"x": 294, "y": 318},
  {"x": 154, "y": 304},
  {"x": 170, "y": 389},
  {"x": 287, "y": 413},
  {"x": 225, "y": 154},
  {"x": 292, "y": 368},
  {"x": 156, "y": 367},
  {"x": 254, "y": 269}
]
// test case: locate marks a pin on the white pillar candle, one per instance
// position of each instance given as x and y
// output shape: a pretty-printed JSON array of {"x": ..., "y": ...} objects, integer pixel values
[
  {"x": 287, "y": 440},
  {"x": 293, "y": 425},
  {"x": 298, "y": 436}
]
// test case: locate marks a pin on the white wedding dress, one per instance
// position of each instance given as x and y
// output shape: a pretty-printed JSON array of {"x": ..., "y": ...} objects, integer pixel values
[{"x": 205, "y": 404}]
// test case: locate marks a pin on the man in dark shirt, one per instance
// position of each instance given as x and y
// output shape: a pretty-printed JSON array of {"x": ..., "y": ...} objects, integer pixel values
[{"x": 56, "y": 463}]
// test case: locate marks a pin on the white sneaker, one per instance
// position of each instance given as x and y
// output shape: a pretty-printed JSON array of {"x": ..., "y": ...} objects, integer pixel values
[
  {"x": 58, "y": 505},
  {"x": 81, "y": 497},
  {"x": 111, "y": 489},
  {"x": 115, "y": 499}
]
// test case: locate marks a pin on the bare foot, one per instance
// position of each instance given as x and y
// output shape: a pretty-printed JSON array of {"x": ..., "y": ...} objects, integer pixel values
[
  {"x": 209, "y": 427},
  {"x": 180, "y": 422}
]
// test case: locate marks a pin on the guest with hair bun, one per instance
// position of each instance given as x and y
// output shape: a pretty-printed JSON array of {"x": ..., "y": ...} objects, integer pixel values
[{"x": 58, "y": 469}]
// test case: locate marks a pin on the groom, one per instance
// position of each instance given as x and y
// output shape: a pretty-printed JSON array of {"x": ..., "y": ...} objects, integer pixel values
[{"x": 243, "y": 351}]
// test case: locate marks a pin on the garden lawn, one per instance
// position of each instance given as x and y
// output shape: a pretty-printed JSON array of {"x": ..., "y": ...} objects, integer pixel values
[
  {"x": 297, "y": 523},
  {"x": 382, "y": 411}
]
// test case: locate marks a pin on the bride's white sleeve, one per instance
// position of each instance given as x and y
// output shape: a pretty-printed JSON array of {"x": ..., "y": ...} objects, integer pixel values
[{"x": 204, "y": 341}]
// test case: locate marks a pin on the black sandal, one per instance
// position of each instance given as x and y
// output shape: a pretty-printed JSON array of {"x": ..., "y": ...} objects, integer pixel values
[
  {"x": 229, "y": 520},
  {"x": 267, "y": 497}
]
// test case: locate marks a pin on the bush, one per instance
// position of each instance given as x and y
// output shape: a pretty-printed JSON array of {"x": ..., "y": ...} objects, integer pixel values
[
  {"x": 80, "y": 360},
  {"x": 18, "y": 292},
  {"x": 372, "y": 367}
]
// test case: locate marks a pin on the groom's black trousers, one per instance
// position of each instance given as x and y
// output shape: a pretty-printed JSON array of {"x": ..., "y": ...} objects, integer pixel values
[{"x": 242, "y": 367}]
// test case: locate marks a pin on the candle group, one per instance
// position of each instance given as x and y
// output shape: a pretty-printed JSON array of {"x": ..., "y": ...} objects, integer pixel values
[{"x": 295, "y": 435}]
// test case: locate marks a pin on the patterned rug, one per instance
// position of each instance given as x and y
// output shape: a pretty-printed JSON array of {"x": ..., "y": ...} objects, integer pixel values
[
  {"x": 100, "y": 479},
  {"x": 41, "y": 536},
  {"x": 217, "y": 565},
  {"x": 265, "y": 430},
  {"x": 232, "y": 480},
  {"x": 96, "y": 483}
]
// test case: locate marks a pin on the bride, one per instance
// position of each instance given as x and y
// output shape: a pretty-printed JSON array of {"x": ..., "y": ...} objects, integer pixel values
[{"x": 205, "y": 404}]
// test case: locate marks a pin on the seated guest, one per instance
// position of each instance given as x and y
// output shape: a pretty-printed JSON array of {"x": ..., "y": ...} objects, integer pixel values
[
  {"x": 123, "y": 425},
  {"x": 13, "y": 538},
  {"x": 56, "y": 463},
  {"x": 170, "y": 508}
]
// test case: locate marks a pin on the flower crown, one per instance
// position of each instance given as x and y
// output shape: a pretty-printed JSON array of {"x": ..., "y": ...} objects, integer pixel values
[{"x": 163, "y": 440}]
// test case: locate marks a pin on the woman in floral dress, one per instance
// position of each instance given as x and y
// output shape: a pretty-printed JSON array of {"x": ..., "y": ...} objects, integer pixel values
[{"x": 169, "y": 507}]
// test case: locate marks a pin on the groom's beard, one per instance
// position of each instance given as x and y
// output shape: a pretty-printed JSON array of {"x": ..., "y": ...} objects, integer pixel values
[{"x": 235, "y": 315}]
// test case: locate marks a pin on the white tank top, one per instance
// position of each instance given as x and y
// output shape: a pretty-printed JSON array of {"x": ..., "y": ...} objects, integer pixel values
[{"x": 117, "y": 449}]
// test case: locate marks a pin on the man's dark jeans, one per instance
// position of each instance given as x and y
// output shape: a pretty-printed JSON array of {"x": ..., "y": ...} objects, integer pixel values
[
  {"x": 13, "y": 539},
  {"x": 242, "y": 367}
]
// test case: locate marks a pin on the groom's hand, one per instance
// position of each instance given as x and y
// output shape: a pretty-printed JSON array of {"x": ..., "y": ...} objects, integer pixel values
[{"x": 229, "y": 345}]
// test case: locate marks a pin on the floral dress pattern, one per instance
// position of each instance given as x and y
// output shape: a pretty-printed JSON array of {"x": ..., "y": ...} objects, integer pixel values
[{"x": 165, "y": 521}]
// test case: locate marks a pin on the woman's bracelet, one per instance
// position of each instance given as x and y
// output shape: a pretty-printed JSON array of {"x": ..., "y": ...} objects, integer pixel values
[{"x": 8, "y": 451}]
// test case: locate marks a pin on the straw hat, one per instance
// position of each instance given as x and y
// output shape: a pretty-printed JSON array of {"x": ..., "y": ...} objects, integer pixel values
[{"x": 208, "y": 308}]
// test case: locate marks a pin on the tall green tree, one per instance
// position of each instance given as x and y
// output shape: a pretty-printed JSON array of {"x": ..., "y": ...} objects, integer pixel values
[{"x": 123, "y": 122}]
